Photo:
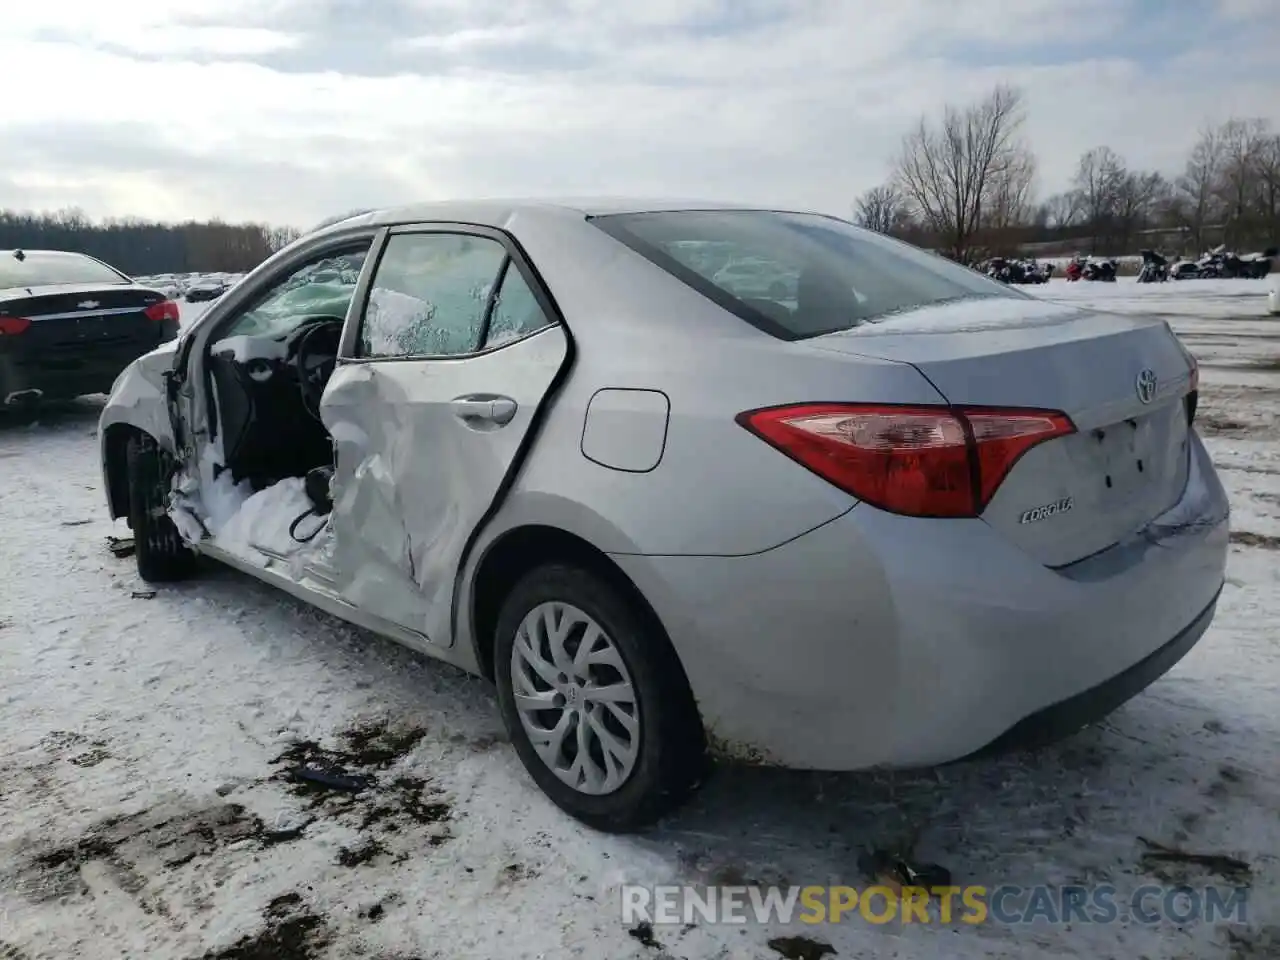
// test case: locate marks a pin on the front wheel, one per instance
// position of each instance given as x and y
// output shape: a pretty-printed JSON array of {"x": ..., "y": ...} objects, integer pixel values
[
  {"x": 161, "y": 554},
  {"x": 595, "y": 700}
]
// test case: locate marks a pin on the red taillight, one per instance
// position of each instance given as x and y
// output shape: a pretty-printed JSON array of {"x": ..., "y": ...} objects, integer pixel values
[
  {"x": 11, "y": 326},
  {"x": 164, "y": 310},
  {"x": 918, "y": 461}
]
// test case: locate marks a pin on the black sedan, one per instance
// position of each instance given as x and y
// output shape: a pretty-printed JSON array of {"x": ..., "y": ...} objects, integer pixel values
[{"x": 69, "y": 324}]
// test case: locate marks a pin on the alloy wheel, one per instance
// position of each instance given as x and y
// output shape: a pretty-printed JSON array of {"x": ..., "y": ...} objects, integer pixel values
[{"x": 575, "y": 698}]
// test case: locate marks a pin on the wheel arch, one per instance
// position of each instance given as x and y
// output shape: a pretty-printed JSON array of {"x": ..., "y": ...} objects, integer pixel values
[
  {"x": 115, "y": 465},
  {"x": 523, "y": 548}
]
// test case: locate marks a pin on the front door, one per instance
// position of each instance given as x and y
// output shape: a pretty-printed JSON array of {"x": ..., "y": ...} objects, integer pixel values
[{"x": 441, "y": 375}]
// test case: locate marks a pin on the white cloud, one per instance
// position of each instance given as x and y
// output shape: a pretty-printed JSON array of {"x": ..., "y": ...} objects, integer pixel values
[{"x": 286, "y": 111}]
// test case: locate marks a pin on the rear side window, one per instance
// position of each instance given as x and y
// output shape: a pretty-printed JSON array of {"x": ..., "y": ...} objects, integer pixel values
[
  {"x": 516, "y": 312},
  {"x": 797, "y": 275},
  {"x": 46, "y": 268}
]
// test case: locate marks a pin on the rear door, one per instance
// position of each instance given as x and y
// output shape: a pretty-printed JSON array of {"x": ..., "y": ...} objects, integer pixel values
[{"x": 445, "y": 364}]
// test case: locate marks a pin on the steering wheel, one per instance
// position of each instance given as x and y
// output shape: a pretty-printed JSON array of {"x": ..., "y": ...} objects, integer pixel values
[{"x": 315, "y": 357}]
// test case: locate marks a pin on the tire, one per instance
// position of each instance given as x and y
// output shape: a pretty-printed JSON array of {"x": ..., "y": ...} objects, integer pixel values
[
  {"x": 670, "y": 756},
  {"x": 161, "y": 554}
]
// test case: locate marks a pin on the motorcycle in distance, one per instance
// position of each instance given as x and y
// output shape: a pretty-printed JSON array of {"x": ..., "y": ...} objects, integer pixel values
[
  {"x": 1220, "y": 263},
  {"x": 1155, "y": 268},
  {"x": 1018, "y": 271},
  {"x": 1103, "y": 270}
]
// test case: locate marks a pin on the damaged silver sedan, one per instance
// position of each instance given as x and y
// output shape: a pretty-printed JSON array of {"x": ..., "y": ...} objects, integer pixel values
[{"x": 683, "y": 480}]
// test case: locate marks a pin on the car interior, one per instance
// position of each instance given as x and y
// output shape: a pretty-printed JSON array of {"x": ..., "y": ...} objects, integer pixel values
[{"x": 268, "y": 370}]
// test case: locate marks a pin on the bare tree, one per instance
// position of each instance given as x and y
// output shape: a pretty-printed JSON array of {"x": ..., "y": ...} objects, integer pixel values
[
  {"x": 1198, "y": 185},
  {"x": 1062, "y": 210},
  {"x": 1140, "y": 198},
  {"x": 141, "y": 247},
  {"x": 968, "y": 170},
  {"x": 881, "y": 209},
  {"x": 1268, "y": 162},
  {"x": 1242, "y": 143},
  {"x": 1008, "y": 206},
  {"x": 1100, "y": 178}
]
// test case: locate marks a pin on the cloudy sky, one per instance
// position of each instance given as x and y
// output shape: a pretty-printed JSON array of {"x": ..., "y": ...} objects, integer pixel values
[{"x": 292, "y": 110}]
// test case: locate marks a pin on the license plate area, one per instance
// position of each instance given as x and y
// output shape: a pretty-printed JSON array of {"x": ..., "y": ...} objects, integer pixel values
[{"x": 1129, "y": 458}]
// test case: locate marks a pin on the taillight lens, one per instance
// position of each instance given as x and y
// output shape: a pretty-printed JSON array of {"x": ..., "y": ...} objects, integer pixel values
[
  {"x": 164, "y": 310},
  {"x": 920, "y": 461},
  {"x": 12, "y": 326}
]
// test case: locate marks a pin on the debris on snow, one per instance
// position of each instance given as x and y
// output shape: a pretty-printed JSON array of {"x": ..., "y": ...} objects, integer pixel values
[
  {"x": 896, "y": 872},
  {"x": 1229, "y": 868},
  {"x": 121, "y": 546},
  {"x": 801, "y": 948},
  {"x": 643, "y": 932},
  {"x": 330, "y": 779}
]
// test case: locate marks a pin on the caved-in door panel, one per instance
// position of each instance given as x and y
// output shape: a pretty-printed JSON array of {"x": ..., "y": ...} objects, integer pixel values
[{"x": 423, "y": 448}]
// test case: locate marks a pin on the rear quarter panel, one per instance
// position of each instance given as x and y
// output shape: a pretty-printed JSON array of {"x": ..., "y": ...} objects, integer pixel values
[{"x": 717, "y": 490}]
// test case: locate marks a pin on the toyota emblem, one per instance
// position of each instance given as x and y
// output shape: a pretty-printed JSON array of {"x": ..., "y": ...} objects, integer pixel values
[{"x": 1146, "y": 384}]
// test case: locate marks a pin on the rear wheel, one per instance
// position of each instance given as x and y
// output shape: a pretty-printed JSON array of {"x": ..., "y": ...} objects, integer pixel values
[
  {"x": 160, "y": 551},
  {"x": 595, "y": 700}
]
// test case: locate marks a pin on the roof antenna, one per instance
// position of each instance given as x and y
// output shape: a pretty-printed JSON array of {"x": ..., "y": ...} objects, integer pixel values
[{"x": 19, "y": 255}]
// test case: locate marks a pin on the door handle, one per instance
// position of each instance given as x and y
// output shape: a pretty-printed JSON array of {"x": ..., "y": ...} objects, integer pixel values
[{"x": 498, "y": 410}]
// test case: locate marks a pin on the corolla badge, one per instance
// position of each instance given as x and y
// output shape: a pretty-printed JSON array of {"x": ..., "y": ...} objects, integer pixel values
[
  {"x": 1146, "y": 384},
  {"x": 87, "y": 305},
  {"x": 1046, "y": 510}
]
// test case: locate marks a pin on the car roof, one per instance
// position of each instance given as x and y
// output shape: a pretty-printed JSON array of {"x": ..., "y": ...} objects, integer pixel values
[
  {"x": 27, "y": 251},
  {"x": 497, "y": 213}
]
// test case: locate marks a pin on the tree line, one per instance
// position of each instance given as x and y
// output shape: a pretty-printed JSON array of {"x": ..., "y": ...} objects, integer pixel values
[
  {"x": 963, "y": 183},
  {"x": 145, "y": 247}
]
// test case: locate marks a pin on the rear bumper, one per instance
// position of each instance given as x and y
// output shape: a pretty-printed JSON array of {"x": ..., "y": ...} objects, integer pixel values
[
  {"x": 879, "y": 640},
  {"x": 1067, "y": 716},
  {"x": 33, "y": 374}
]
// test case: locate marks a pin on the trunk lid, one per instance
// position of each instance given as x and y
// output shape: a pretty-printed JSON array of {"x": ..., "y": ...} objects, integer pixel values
[
  {"x": 1076, "y": 495},
  {"x": 78, "y": 317}
]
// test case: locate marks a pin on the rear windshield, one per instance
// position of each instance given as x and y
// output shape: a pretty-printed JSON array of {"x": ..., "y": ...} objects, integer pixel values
[
  {"x": 797, "y": 275},
  {"x": 38, "y": 269}
]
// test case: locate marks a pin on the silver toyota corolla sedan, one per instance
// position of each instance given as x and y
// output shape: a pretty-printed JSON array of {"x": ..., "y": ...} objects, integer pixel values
[{"x": 888, "y": 512}]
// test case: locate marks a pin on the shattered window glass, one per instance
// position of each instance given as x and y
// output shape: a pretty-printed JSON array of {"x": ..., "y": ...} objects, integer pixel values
[
  {"x": 322, "y": 288},
  {"x": 429, "y": 295},
  {"x": 516, "y": 312}
]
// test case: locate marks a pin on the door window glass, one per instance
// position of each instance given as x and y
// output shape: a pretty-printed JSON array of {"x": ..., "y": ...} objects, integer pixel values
[{"x": 429, "y": 294}]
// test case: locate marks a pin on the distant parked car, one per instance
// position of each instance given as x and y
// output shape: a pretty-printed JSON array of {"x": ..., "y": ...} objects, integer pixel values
[
  {"x": 205, "y": 290},
  {"x": 69, "y": 324}
]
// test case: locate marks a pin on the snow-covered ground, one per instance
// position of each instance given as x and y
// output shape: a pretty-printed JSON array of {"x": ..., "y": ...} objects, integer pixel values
[{"x": 144, "y": 739}]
